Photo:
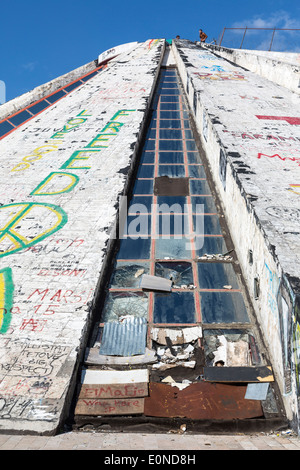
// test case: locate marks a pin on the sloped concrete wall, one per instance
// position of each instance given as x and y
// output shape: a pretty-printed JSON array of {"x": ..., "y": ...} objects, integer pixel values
[
  {"x": 61, "y": 176},
  {"x": 279, "y": 68},
  {"x": 250, "y": 132},
  {"x": 14, "y": 105}
]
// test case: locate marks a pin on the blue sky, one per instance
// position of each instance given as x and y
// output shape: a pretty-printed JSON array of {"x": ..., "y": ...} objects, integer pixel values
[{"x": 43, "y": 40}]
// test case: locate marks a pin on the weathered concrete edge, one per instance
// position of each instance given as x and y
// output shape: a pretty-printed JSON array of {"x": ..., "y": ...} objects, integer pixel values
[
  {"x": 108, "y": 256},
  {"x": 277, "y": 71},
  {"x": 245, "y": 217},
  {"x": 73, "y": 365},
  {"x": 16, "y": 104}
]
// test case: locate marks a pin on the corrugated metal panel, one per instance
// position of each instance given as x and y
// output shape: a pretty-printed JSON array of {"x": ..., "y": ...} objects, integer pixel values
[{"x": 126, "y": 338}]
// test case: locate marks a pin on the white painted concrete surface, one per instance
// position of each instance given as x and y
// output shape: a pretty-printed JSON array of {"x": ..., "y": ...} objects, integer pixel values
[
  {"x": 280, "y": 68},
  {"x": 61, "y": 176},
  {"x": 250, "y": 131}
]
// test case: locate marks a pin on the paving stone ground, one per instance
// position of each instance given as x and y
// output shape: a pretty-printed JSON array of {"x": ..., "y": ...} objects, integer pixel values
[{"x": 150, "y": 442}]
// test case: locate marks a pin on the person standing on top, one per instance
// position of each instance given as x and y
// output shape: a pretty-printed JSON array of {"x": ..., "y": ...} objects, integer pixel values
[{"x": 202, "y": 35}]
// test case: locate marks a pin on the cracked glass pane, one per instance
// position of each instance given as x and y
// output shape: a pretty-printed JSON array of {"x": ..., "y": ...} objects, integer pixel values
[
  {"x": 128, "y": 275},
  {"x": 119, "y": 305},
  {"x": 179, "y": 273}
]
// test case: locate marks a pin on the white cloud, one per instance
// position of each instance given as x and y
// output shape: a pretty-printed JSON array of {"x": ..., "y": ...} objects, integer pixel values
[
  {"x": 277, "y": 19},
  {"x": 283, "y": 40}
]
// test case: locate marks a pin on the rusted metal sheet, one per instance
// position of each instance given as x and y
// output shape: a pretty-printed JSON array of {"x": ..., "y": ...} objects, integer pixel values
[
  {"x": 113, "y": 390},
  {"x": 238, "y": 374},
  {"x": 116, "y": 406},
  {"x": 201, "y": 400}
]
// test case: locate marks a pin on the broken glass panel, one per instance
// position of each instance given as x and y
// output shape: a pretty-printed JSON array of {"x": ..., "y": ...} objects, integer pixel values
[
  {"x": 180, "y": 273},
  {"x": 138, "y": 248},
  {"x": 216, "y": 276},
  {"x": 128, "y": 275},
  {"x": 174, "y": 307},
  {"x": 223, "y": 307},
  {"x": 227, "y": 348},
  {"x": 119, "y": 305}
]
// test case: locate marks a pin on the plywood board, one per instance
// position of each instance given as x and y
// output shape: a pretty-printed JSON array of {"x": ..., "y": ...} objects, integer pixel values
[
  {"x": 113, "y": 391},
  {"x": 98, "y": 407},
  {"x": 90, "y": 376},
  {"x": 200, "y": 401}
]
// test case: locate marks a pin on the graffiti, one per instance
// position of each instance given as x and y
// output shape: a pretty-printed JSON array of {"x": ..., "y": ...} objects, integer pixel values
[
  {"x": 62, "y": 272},
  {"x": 119, "y": 91},
  {"x": 207, "y": 57},
  {"x": 32, "y": 324},
  {"x": 295, "y": 188},
  {"x": 292, "y": 159},
  {"x": 273, "y": 286},
  {"x": 6, "y": 298},
  {"x": 268, "y": 137},
  {"x": 56, "y": 245},
  {"x": 18, "y": 229},
  {"x": 66, "y": 296},
  {"x": 39, "y": 152},
  {"x": 294, "y": 121},
  {"x": 213, "y": 68},
  {"x": 61, "y": 182},
  {"x": 222, "y": 168},
  {"x": 284, "y": 213},
  {"x": 98, "y": 143},
  {"x": 221, "y": 76}
]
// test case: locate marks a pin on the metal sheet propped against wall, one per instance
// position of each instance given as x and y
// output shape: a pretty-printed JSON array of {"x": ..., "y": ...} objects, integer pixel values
[
  {"x": 200, "y": 401},
  {"x": 124, "y": 338}
]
